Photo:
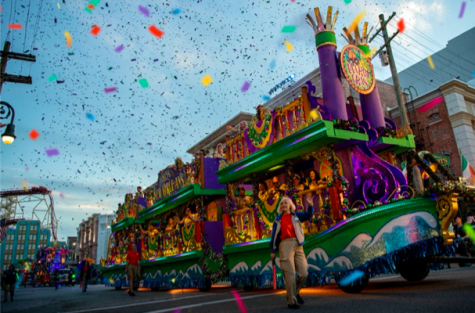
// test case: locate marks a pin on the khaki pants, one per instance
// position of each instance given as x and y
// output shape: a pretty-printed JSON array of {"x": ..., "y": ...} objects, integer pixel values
[
  {"x": 132, "y": 271},
  {"x": 292, "y": 259}
]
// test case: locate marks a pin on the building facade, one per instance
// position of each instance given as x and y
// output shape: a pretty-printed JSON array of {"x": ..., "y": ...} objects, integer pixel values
[
  {"x": 105, "y": 221},
  {"x": 71, "y": 242},
  {"x": 91, "y": 239},
  {"x": 22, "y": 242},
  {"x": 447, "y": 127}
]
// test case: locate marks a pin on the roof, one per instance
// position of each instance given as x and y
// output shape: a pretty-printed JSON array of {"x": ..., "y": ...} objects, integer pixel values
[{"x": 219, "y": 135}]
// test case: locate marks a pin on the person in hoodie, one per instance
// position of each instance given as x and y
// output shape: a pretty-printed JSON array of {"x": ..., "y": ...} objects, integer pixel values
[{"x": 288, "y": 237}]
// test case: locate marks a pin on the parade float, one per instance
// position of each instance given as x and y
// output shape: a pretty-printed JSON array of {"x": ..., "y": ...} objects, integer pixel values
[{"x": 326, "y": 152}]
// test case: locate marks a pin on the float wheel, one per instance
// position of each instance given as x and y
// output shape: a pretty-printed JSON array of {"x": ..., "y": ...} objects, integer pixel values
[{"x": 413, "y": 271}]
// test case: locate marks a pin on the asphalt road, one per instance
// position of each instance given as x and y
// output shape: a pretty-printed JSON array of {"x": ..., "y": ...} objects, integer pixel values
[{"x": 444, "y": 291}]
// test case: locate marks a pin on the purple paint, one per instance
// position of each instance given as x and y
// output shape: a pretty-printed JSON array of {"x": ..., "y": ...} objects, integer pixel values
[
  {"x": 333, "y": 95},
  {"x": 214, "y": 235},
  {"x": 372, "y": 109}
]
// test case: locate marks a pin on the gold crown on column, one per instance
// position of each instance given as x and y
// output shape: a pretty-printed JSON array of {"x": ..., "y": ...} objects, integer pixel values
[
  {"x": 358, "y": 39},
  {"x": 319, "y": 27}
]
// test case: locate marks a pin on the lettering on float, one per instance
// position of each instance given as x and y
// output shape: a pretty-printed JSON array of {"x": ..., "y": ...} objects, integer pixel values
[
  {"x": 169, "y": 182},
  {"x": 357, "y": 69}
]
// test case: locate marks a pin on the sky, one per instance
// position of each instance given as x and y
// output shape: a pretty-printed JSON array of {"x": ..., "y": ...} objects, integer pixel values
[{"x": 111, "y": 142}]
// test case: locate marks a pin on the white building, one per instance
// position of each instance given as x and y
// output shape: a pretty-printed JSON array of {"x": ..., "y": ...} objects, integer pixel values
[{"x": 103, "y": 235}]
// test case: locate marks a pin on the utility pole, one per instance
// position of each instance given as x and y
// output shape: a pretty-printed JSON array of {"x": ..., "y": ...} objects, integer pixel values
[
  {"x": 392, "y": 65},
  {"x": 6, "y": 54}
]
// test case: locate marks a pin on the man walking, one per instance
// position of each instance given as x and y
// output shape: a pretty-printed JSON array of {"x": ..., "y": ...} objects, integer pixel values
[
  {"x": 132, "y": 267},
  {"x": 85, "y": 274},
  {"x": 8, "y": 282}
]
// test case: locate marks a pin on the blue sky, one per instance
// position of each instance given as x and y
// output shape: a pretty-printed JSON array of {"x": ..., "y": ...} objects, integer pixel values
[{"x": 138, "y": 131}]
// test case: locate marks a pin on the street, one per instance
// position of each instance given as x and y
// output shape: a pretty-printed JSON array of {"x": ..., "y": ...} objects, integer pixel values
[{"x": 449, "y": 290}]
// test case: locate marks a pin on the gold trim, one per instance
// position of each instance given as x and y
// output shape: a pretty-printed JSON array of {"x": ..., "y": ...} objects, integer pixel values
[
  {"x": 447, "y": 207},
  {"x": 404, "y": 131},
  {"x": 326, "y": 44}
]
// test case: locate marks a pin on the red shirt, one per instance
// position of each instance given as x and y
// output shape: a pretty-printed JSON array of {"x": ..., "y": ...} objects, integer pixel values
[
  {"x": 133, "y": 257},
  {"x": 286, "y": 227}
]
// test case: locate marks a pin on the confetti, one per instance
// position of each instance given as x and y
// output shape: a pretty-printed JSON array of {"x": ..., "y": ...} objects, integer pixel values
[
  {"x": 469, "y": 230},
  {"x": 15, "y": 26},
  {"x": 351, "y": 278},
  {"x": 90, "y": 6},
  {"x": 265, "y": 98},
  {"x": 155, "y": 31},
  {"x": 430, "y": 104},
  {"x": 59, "y": 6},
  {"x": 95, "y": 30},
  {"x": 356, "y": 20},
  {"x": 431, "y": 64},
  {"x": 288, "y": 29},
  {"x": 176, "y": 11},
  {"x": 272, "y": 65},
  {"x": 288, "y": 45},
  {"x": 206, "y": 80},
  {"x": 400, "y": 25},
  {"x": 34, "y": 134},
  {"x": 246, "y": 86},
  {"x": 119, "y": 48},
  {"x": 144, "y": 11},
  {"x": 347, "y": 1},
  {"x": 25, "y": 186},
  {"x": 462, "y": 9},
  {"x": 90, "y": 116},
  {"x": 371, "y": 52},
  {"x": 61, "y": 195},
  {"x": 51, "y": 152},
  {"x": 239, "y": 301},
  {"x": 69, "y": 40},
  {"x": 52, "y": 77},
  {"x": 143, "y": 82},
  {"x": 110, "y": 89}
]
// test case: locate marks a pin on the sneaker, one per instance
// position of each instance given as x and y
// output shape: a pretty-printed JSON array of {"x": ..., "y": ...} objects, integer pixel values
[
  {"x": 300, "y": 300},
  {"x": 132, "y": 294},
  {"x": 294, "y": 306}
]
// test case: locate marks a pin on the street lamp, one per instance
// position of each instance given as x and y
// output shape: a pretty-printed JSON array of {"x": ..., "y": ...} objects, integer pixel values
[{"x": 9, "y": 135}]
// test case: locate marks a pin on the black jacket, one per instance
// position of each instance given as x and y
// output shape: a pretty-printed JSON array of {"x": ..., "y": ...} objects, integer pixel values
[{"x": 9, "y": 277}]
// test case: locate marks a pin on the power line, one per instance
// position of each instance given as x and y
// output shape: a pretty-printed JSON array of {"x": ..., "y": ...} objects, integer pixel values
[{"x": 26, "y": 32}]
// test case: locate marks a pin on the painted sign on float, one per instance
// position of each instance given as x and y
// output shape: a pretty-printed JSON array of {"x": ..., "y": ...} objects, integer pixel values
[
  {"x": 357, "y": 69},
  {"x": 169, "y": 181}
]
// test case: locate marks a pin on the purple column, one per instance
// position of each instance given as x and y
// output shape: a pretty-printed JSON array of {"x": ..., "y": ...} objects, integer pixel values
[
  {"x": 372, "y": 109},
  {"x": 370, "y": 103},
  {"x": 332, "y": 89}
]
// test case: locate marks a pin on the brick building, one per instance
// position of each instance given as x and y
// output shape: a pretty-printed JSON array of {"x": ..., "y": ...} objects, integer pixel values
[{"x": 447, "y": 127}]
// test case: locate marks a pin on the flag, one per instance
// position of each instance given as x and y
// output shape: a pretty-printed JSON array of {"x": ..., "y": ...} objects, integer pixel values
[
  {"x": 3, "y": 229},
  {"x": 467, "y": 171}
]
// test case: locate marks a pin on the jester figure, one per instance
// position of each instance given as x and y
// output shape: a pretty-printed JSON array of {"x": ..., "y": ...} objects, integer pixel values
[{"x": 188, "y": 230}]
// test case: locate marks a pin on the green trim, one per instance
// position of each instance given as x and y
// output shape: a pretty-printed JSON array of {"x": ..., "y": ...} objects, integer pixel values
[
  {"x": 253, "y": 245},
  {"x": 160, "y": 261},
  {"x": 308, "y": 139},
  {"x": 181, "y": 197},
  {"x": 364, "y": 48},
  {"x": 324, "y": 37},
  {"x": 398, "y": 145},
  {"x": 126, "y": 222}
]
